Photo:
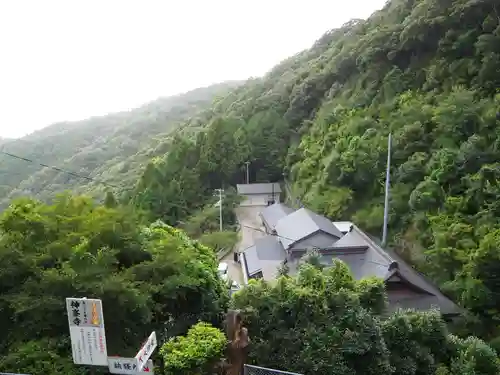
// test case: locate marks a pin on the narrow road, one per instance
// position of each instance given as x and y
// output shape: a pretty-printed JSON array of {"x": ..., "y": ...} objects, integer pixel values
[
  {"x": 248, "y": 217},
  {"x": 251, "y": 225}
]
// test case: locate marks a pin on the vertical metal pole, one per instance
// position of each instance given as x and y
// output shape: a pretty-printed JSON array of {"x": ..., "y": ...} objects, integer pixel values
[
  {"x": 220, "y": 209},
  {"x": 387, "y": 183},
  {"x": 248, "y": 173}
]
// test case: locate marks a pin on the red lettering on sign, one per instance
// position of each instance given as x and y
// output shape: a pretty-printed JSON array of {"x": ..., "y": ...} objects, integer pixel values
[{"x": 101, "y": 343}]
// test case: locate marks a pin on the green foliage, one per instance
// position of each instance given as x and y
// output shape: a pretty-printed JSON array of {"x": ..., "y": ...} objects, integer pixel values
[
  {"x": 196, "y": 353},
  {"x": 149, "y": 277},
  {"x": 219, "y": 240},
  {"x": 473, "y": 356},
  {"x": 110, "y": 200},
  {"x": 41, "y": 357},
  {"x": 417, "y": 342},
  {"x": 315, "y": 323},
  {"x": 207, "y": 219},
  {"x": 425, "y": 72},
  {"x": 324, "y": 321}
]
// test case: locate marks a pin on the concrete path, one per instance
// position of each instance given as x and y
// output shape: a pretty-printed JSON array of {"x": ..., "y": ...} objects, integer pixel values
[
  {"x": 233, "y": 268},
  {"x": 250, "y": 229},
  {"x": 251, "y": 225}
]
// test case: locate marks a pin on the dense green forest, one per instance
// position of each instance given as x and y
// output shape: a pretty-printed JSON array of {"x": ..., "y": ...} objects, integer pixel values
[
  {"x": 426, "y": 71},
  {"x": 151, "y": 276},
  {"x": 111, "y": 149}
]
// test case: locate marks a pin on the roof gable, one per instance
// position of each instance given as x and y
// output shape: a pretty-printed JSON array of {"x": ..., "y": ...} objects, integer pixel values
[
  {"x": 395, "y": 265},
  {"x": 350, "y": 240},
  {"x": 252, "y": 261},
  {"x": 301, "y": 224},
  {"x": 396, "y": 277},
  {"x": 269, "y": 248},
  {"x": 389, "y": 266},
  {"x": 265, "y": 256}
]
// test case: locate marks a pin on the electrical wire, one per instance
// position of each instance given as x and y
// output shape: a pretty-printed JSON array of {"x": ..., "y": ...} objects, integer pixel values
[
  {"x": 61, "y": 170},
  {"x": 75, "y": 174},
  {"x": 91, "y": 179}
]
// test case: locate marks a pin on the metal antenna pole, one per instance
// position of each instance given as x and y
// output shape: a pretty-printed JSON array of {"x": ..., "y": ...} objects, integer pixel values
[
  {"x": 387, "y": 183},
  {"x": 248, "y": 173},
  {"x": 220, "y": 207}
]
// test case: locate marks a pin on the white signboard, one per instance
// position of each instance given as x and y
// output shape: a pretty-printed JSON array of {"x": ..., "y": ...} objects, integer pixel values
[
  {"x": 119, "y": 365},
  {"x": 86, "y": 329},
  {"x": 145, "y": 352}
]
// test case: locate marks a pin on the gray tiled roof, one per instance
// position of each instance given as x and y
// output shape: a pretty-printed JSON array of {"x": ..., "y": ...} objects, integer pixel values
[
  {"x": 263, "y": 188},
  {"x": 376, "y": 262},
  {"x": 269, "y": 248},
  {"x": 265, "y": 256},
  {"x": 301, "y": 224},
  {"x": 358, "y": 250},
  {"x": 271, "y": 214},
  {"x": 252, "y": 261},
  {"x": 350, "y": 239}
]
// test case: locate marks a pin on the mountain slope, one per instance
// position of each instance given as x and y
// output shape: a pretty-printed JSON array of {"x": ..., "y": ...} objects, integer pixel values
[
  {"x": 426, "y": 71},
  {"x": 109, "y": 148}
]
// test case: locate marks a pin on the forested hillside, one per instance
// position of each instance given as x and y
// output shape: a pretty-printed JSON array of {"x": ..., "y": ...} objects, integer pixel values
[
  {"x": 425, "y": 71},
  {"x": 428, "y": 71},
  {"x": 112, "y": 149}
]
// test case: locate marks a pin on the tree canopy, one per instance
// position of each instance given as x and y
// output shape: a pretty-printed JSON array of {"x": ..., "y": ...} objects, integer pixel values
[
  {"x": 325, "y": 322},
  {"x": 149, "y": 277},
  {"x": 427, "y": 72}
]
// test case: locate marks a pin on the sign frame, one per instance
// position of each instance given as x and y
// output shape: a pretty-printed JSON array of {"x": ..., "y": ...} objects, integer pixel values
[
  {"x": 146, "y": 350},
  {"x": 87, "y": 333}
]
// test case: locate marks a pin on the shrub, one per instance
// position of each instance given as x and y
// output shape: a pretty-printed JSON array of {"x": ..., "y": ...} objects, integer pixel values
[{"x": 196, "y": 353}]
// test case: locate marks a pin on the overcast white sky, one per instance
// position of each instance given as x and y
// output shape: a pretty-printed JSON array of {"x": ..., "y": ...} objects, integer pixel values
[{"x": 68, "y": 60}]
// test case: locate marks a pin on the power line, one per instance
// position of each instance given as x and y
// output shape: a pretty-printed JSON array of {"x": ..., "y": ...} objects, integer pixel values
[
  {"x": 61, "y": 170},
  {"x": 271, "y": 234},
  {"x": 77, "y": 175}
]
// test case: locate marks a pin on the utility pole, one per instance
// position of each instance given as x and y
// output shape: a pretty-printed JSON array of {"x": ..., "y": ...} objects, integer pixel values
[
  {"x": 387, "y": 183},
  {"x": 220, "y": 191},
  {"x": 248, "y": 173}
]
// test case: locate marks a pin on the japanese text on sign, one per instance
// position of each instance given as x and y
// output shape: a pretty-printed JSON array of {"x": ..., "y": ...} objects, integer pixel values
[
  {"x": 86, "y": 326},
  {"x": 119, "y": 365},
  {"x": 147, "y": 349}
]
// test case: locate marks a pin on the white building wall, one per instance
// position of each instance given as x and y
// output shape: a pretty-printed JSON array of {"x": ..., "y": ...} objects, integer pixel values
[{"x": 259, "y": 199}]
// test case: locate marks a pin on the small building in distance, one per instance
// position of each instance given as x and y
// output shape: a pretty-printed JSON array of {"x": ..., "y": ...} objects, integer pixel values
[{"x": 261, "y": 194}]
